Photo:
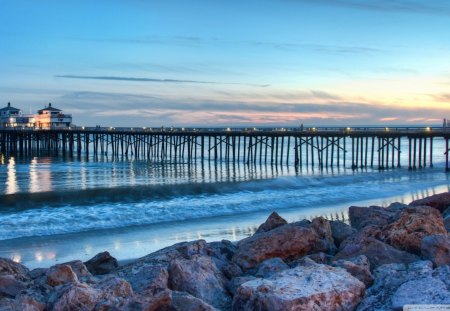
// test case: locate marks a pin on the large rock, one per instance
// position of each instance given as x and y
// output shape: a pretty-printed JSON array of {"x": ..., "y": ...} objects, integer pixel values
[
  {"x": 340, "y": 231},
  {"x": 234, "y": 283},
  {"x": 74, "y": 297},
  {"x": 358, "y": 266},
  {"x": 361, "y": 217},
  {"x": 9, "y": 267},
  {"x": 378, "y": 252},
  {"x": 314, "y": 287},
  {"x": 199, "y": 277},
  {"x": 436, "y": 248},
  {"x": 146, "y": 278},
  {"x": 102, "y": 263},
  {"x": 182, "y": 301},
  {"x": 271, "y": 266},
  {"x": 439, "y": 201},
  {"x": 413, "y": 224},
  {"x": 61, "y": 274},
  {"x": 272, "y": 222},
  {"x": 112, "y": 291},
  {"x": 394, "y": 281},
  {"x": 9, "y": 286},
  {"x": 290, "y": 241}
]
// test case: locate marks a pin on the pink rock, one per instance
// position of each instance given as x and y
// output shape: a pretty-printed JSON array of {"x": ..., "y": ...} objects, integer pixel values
[
  {"x": 439, "y": 201},
  {"x": 272, "y": 222},
  {"x": 61, "y": 274}
]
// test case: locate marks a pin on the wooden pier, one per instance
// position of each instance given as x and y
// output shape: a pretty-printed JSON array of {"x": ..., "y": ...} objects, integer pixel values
[{"x": 364, "y": 147}]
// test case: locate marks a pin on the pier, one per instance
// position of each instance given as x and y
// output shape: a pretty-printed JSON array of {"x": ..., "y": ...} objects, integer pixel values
[{"x": 322, "y": 147}]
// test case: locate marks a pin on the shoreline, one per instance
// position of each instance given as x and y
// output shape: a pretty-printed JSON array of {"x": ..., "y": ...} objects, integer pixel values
[
  {"x": 386, "y": 258},
  {"x": 122, "y": 242}
]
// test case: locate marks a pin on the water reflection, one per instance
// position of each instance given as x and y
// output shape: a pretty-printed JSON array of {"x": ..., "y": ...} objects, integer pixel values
[{"x": 11, "y": 182}]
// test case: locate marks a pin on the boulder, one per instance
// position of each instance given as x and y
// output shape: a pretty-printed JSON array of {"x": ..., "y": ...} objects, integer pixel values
[
  {"x": 290, "y": 241},
  {"x": 61, "y": 274},
  {"x": 231, "y": 270},
  {"x": 160, "y": 302},
  {"x": 102, "y": 263},
  {"x": 199, "y": 277},
  {"x": 340, "y": 231},
  {"x": 436, "y": 248},
  {"x": 74, "y": 297},
  {"x": 9, "y": 267},
  {"x": 358, "y": 266},
  {"x": 234, "y": 283},
  {"x": 394, "y": 281},
  {"x": 9, "y": 286},
  {"x": 428, "y": 290},
  {"x": 323, "y": 229},
  {"x": 361, "y": 217},
  {"x": 439, "y": 201},
  {"x": 112, "y": 291},
  {"x": 182, "y": 301},
  {"x": 146, "y": 278},
  {"x": 413, "y": 224},
  {"x": 316, "y": 287},
  {"x": 272, "y": 222},
  {"x": 378, "y": 253},
  {"x": 271, "y": 266}
]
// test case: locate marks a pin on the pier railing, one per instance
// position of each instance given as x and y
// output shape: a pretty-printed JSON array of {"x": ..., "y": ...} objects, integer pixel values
[{"x": 375, "y": 146}]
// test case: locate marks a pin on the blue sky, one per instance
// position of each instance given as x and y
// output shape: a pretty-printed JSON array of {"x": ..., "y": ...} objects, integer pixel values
[{"x": 204, "y": 63}]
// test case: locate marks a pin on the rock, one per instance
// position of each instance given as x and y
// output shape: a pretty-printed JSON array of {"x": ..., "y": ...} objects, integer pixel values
[
  {"x": 317, "y": 287},
  {"x": 74, "y": 296},
  {"x": 222, "y": 252},
  {"x": 323, "y": 229},
  {"x": 395, "y": 280},
  {"x": 287, "y": 242},
  {"x": 9, "y": 286},
  {"x": 413, "y": 224},
  {"x": 361, "y": 217},
  {"x": 234, "y": 283},
  {"x": 27, "y": 303},
  {"x": 146, "y": 278},
  {"x": 272, "y": 222},
  {"x": 436, "y": 248},
  {"x": 38, "y": 273},
  {"x": 102, "y": 263},
  {"x": 231, "y": 270},
  {"x": 271, "y": 266},
  {"x": 377, "y": 252},
  {"x": 182, "y": 301},
  {"x": 340, "y": 231},
  {"x": 199, "y": 277},
  {"x": 112, "y": 291},
  {"x": 9, "y": 267},
  {"x": 160, "y": 302},
  {"x": 447, "y": 223},
  {"x": 423, "y": 291},
  {"x": 359, "y": 267},
  {"x": 61, "y": 274},
  {"x": 439, "y": 201}
]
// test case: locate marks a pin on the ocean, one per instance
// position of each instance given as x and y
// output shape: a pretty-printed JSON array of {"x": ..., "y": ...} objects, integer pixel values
[{"x": 55, "y": 209}]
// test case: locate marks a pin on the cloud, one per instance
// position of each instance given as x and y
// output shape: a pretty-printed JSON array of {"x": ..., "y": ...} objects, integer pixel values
[
  {"x": 439, "y": 7},
  {"x": 154, "y": 80},
  {"x": 442, "y": 98}
]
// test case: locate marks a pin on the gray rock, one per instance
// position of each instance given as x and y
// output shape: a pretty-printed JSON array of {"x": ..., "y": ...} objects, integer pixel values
[
  {"x": 9, "y": 267},
  {"x": 428, "y": 290},
  {"x": 102, "y": 263},
  {"x": 436, "y": 248},
  {"x": 145, "y": 278},
  {"x": 182, "y": 301},
  {"x": 361, "y": 217},
  {"x": 272, "y": 222},
  {"x": 9, "y": 286},
  {"x": 390, "y": 278},
  {"x": 234, "y": 283},
  {"x": 199, "y": 277},
  {"x": 359, "y": 267},
  {"x": 340, "y": 231},
  {"x": 447, "y": 223},
  {"x": 271, "y": 266},
  {"x": 316, "y": 287},
  {"x": 73, "y": 296}
]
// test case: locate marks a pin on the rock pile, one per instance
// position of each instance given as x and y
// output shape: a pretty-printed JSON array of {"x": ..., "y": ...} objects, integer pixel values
[{"x": 386, "y": 258}]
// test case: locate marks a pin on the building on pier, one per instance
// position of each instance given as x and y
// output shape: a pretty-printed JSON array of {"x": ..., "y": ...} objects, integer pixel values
[
  {"x": 51, "y": 117},
  {"x": 13, "y": 117}
]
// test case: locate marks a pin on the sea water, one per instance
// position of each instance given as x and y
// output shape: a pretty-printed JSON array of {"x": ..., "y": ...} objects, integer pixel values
[{"x": 56, "y": 209}]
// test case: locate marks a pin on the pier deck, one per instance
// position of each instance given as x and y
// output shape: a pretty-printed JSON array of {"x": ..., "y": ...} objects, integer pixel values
[{"x": 322, "y": 146}]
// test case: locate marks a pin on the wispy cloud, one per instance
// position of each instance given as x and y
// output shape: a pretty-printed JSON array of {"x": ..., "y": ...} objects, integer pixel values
[
  {"x": 439, "y": 7},
  {"x": 154, "y": 80}
]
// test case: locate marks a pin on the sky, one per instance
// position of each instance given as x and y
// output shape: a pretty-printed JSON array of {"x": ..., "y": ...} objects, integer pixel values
[{"x": 206, "y": 63}]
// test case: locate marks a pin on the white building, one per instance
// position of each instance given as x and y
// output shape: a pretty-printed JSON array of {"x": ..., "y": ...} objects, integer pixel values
[
  {"x": 12, "y": 117},
  {"x": 51, "y": 117},
  {"x": 46, "y": 118}
]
